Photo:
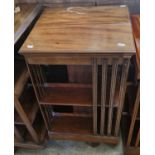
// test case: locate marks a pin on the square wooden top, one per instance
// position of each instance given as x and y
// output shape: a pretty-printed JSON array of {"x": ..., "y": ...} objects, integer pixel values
[{"x": 104, "y": 29}]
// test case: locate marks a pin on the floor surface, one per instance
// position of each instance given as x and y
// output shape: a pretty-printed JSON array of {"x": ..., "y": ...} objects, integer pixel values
[{"x": 74, "y": 148}]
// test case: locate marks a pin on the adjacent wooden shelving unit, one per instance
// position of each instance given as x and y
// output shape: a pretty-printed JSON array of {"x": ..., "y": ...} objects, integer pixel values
[
  {"x": 26, "y": 113},
  {"x": 131, "y": 122},
  {"x": 102, "y": 45},
  {"x": 28, "y": 133}
]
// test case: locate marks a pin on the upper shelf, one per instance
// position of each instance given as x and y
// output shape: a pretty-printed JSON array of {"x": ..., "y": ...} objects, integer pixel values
[
  {"x": 24, "y": 18},
  {"x": 68, "y": 94},
  {"x": 71, "y": 94},
  {"x": 104, "y": 29}
]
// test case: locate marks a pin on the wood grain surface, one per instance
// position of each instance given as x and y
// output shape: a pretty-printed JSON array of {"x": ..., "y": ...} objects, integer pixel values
[{"x": 105, "y": 29}]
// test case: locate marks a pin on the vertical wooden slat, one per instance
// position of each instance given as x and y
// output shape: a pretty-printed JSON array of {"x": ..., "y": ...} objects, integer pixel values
[
  {"x": 36, "y": 93},
  {"x": 94, "y": 76},
  {"x": 37, "y": 83},
  {"x": 40, "y": 81},
  {"x": 134, "y": 116},
  {"x": 18, "y": 135},
  {"x": 122, "y": 91},
  {"x": 47, "y": 115},
  {"x": 42, "y": 74},
  {"x": 112, "y": 93},
  {"x": 137, "y": 138},
  {"x": 103, "y": 95}
]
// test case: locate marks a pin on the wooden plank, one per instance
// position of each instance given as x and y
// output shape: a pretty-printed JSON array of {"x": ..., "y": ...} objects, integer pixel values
[
  {"x": 103, "y": 95},
  {"x": 94, "y": 82},
  {"x": 112, "y": 93}
]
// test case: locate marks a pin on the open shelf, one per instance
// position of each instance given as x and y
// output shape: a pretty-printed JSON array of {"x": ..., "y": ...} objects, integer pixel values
[
  {"x": 72, "y": 94},
  {"x": 71, "y": 125},
  {"x": 68, "y": 94}
]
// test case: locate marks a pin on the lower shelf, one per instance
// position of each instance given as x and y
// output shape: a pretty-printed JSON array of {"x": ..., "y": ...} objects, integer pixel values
[
  {"x": 78, "y": 129},
  {"x": 71, "y": 124}
]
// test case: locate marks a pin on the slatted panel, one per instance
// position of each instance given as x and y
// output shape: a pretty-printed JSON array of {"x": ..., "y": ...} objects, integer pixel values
[
  {"x": 122, "y": 94},
  {"x": 38, "y": 86}
]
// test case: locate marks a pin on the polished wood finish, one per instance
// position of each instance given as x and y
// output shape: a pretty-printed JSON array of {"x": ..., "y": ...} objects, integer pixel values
[
  {"x": 102, "y": 33},
  {"x": 96, "y": 31}
]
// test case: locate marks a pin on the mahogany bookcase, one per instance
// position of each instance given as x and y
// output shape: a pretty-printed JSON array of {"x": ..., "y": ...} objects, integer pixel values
[{"x": 96, "y": 38}]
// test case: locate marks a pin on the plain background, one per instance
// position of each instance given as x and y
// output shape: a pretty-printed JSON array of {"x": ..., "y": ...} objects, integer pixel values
[{"x": 7, "y": 77}]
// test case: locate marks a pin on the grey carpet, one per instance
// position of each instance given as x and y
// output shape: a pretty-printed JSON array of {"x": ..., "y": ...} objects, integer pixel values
[{"x": 74, "y": 148}]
